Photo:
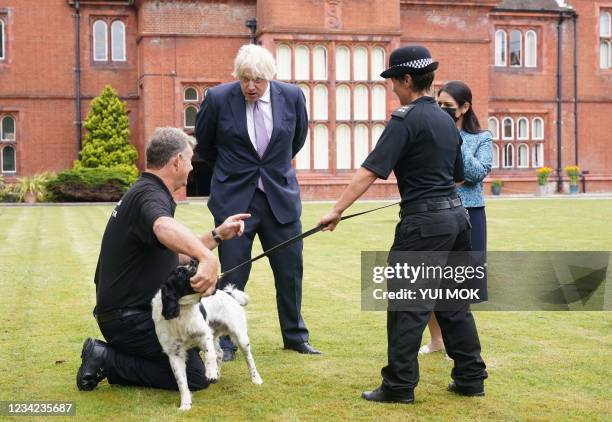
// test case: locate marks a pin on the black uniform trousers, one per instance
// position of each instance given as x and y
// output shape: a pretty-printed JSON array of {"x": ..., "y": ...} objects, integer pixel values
[
  {"x": 135, "y": 356},
  {"x": 286, "y": 264},
  {"x": 444, "y": 230}
]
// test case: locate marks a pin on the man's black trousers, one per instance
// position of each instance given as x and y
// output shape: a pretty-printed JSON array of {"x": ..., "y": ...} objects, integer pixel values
[
  {"x": 444, "y": 230},
  {"x": 135, "y": 356}
]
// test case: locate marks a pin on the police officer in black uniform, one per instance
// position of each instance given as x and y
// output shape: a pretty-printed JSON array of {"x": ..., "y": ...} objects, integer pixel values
[{"x": 422, "y": 147}]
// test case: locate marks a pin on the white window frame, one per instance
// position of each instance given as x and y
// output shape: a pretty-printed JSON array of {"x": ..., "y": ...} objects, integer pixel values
[
  {"x": 503, "y": 129},
  {"x": 364, "y": 89},
  {"x": 2, "y": 159},
  {"x": 306, "y": 91},
  {"x": 361, "y": 146},
  {"x": 346, "y": 102},
  {"x": 320, "y": 105},
  {"x": 494, "y": 134},
  {"x": 360, "y": 68},
  {"x": 524, "y": 136},
  {"x": 319, "y": 74},
  {"x": 304, "y": 63},
  {"x": 605, "y": 57},
  {"x": 302, "y": 159},
  {"x": 185, "y": 116},
  {"x": 377, "y": 130},
  {"x": 379, "y": 111},
  {"x": 377, "y": 63},
  {"x": 534, "y": 133},
  {"x": 531, "y": 49},
  {"x": 283, "y": 62},
  {"x": 521, "y": 58},
  {"x": 495, "y": 156},
  {"x": 511, "y": 147},
  {"x": 321, "y": 156},
  {"x": 518, "y": 156},
  {"x": 501, "y": 41},
  {"x": 605, "y": 32},
  {"x": 343, "y": 147},
  {"x": 343, "y": 74},
  {"x": 3, "y": 44},
  {"x": 105, "y": 41},
  {"x": 185, "y": 94},
  {"x": 113, "y": 58},
  {"x": 2, "y": 136},
  {"x": 537, "y": 147}
]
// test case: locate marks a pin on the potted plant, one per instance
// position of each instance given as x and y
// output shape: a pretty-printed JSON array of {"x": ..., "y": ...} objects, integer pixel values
[
  {"x": 543, "y": 173},
  {"x": 573, "y": 172},
  {"x": 31, "y": 189},
  {"x": 496, "y": 186}
]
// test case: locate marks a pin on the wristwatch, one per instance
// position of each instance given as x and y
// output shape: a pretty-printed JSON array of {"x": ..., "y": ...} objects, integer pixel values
[{"x": 216, "y": 236}]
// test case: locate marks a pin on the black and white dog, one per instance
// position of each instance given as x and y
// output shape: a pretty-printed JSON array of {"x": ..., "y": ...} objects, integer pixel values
[{"x": 184, "y": 320}]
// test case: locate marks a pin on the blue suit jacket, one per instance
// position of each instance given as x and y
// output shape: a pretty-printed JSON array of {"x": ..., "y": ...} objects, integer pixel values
[{"x": 223, "y": 141}]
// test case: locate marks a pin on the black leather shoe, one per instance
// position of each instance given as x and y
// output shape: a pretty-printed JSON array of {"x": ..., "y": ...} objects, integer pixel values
[
  {"x": 379, "y": 395},
  {"x": 303, "y": 348},
  {"x": 229, "y": 354},
  {"x": 454, "y": 388},
  {"x": 91, "y": 371}
]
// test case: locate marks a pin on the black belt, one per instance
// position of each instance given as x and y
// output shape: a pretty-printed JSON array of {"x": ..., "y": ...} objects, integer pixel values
[
  {"x": 434, "y": 204},
  {"x": 119, "y": 313}
]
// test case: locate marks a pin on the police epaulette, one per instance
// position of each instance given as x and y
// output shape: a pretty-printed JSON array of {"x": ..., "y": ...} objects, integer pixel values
[{"x": 402, "y": 112}]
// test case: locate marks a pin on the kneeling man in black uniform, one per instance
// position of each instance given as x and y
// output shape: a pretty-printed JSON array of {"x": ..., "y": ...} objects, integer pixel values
[
  {"x": 141, "y": 246},
  {"x": 421, "y": 146}
]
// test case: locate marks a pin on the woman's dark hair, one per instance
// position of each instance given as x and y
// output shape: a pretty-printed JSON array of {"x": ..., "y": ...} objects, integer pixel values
[{"x": 463, "y": 94}]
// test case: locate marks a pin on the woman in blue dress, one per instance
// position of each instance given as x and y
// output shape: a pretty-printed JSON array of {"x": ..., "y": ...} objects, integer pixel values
[{"x": 455, "y": 98}]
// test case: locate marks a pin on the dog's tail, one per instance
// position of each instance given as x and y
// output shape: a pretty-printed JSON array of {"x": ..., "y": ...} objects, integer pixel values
[{"x": 239, "y": 296}]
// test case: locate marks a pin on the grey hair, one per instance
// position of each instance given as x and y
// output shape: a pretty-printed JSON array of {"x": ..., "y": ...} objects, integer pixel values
[
  {"x": 165, "y": 143},
  {"x": 255, "y": 60}
]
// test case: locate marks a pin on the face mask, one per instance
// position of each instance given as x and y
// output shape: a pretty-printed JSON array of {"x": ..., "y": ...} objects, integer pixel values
[{"x": 451, "y": 112}]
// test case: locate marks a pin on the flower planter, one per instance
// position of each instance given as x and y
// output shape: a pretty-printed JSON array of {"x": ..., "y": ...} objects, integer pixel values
[
  {"x": 542, "y": 190},
  {"x": 496, "y": 190},
  {"x": 29, "y": 197},
  {"x": 573, "y": 189}
]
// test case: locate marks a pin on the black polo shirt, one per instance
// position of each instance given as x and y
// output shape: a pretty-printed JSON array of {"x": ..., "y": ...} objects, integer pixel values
[
  {"x": 423, "y": 148},
  {"x": 133, "y": 263}
]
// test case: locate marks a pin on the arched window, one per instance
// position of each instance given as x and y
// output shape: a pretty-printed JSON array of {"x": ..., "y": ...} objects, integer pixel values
[
  {"x": 306, "y": 90},
  {"x": 360, "y": 64},
  {"x": 605, "y": 29},
  {"x": 343, "y": 64},
  {"x": 191, "y": 94},
  {"x": 495, "y": 152},
  {"x": 302, "y": 63},
  {"x": 500, "y": 48},
  {"x": 204, "y": 92},
  {"x": 523, "y": 156},
  {"x": 343, "y": 147},
  {"x": 343, "y": 103},
  {"x": 320, "y": 103},
  {"x": 494, "y": 127},
  {"x": 531, "y": 49},
  {"x": 377, "y": 130},
  {"x": 118, "y": 41},
  {"x": 190, "y": 117},
  {"x": 8, "y": 129},
  {"x": 516, "y": 48},
  {"x": 604, "y": 55},
  {"x": 302, "y": 159},
  {"x": 522, "y": 128},
  {"x": 8, "y": 160},
  {"x": 378, "y": 63},
  {"x": 1, "y": 39},
  {"x": 507, "y": 128},
  {"x": 283, "y": 62},
  {"x": 361, "y": 144},
  {"x": 360, "y": 107},
  {"x": 508, "y": 156},
  {"x": 537, "y": 128},
  {"x": 320, "y": 148},
  {"x": 320, "y": 63},
  {"x": 100, "y": 41},
  {"x": 537, "y": 159},
  {"x": 379, "y": 102}
]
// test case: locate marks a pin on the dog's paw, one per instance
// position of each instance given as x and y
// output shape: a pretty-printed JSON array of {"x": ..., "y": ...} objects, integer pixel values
[
  {"x": 185, "y": 406},
  {"x": 256, "y": 380},
  {"x": 212, "y": 374}
]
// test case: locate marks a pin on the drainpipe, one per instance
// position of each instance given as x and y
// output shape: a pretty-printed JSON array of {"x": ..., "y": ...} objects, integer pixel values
[
  {"x": 77, "y": 73},
  {"x": 575, "y": 19},
  {"x": 252, "y": 25},
  {"x": 559, "y": 109}
]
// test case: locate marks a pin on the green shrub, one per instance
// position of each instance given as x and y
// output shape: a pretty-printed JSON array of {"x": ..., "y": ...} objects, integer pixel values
[{"x": 90, "y": 184}]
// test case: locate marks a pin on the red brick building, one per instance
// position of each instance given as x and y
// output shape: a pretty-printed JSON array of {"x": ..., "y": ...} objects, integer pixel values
[{"x": 162, "y": 55}]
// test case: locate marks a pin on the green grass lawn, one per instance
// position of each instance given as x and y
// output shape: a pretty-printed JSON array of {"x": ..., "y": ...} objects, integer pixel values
[{"x": 542, "y": 365}]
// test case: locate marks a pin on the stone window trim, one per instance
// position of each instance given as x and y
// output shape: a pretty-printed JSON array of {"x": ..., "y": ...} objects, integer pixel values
[
  {"x": 529, "y": 51},
  {"x": 109, "y": 61},
  {"x": 604, "y": 29},
  {"x": 8, "y": 140},
  {"x": 521, "y": 145},
  {"x": 185, "y": 96}
]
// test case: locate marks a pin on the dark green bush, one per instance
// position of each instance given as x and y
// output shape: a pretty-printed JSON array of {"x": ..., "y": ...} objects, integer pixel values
[{"x": 89, "y": 185}]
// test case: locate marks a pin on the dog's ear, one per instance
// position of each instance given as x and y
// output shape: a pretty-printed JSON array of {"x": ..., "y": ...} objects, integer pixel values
[{"x": 170, "y": 295}]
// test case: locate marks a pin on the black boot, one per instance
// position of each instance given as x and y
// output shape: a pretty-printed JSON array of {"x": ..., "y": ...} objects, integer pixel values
[{"x": 91, "y": 371}]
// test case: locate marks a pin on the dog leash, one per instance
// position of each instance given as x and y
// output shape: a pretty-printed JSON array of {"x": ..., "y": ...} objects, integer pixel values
[{"x": 296, "y": 238}]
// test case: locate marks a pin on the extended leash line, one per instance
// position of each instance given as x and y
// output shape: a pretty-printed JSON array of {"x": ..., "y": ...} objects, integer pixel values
[{"x": 296, "y": 238}]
